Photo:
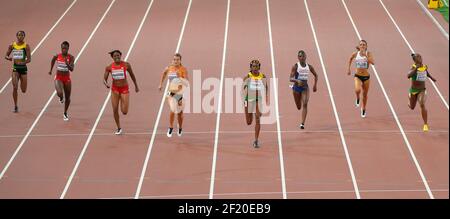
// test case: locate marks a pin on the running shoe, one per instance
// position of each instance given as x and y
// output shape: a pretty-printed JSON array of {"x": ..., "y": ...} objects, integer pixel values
[
  {"x": 425, "y": 128},
  {"x": 169, "y": 132},
  {"x": 180, "y": 132},
  {"x": 357, "y": 103},
  {"x": 302, "y": 126},
  {"x": 61, "y": 100},
  {"x": 118, "y": 132},
  {"x": 256, "y": 144},
  {"x": 16, "y": 109},
  {"x": 363, "y": 113},
  {"x": 65, "y": 117}
]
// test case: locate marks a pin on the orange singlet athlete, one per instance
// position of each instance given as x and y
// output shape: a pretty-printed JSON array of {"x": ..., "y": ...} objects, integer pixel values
[{"x": 178, "y": 72}]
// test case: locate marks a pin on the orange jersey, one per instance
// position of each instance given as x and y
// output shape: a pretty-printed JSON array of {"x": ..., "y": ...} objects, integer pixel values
[{"x": 173, "y": 72}]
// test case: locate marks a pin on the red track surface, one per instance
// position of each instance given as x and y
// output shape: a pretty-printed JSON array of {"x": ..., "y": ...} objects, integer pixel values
[{"x": 314, "y": 161}]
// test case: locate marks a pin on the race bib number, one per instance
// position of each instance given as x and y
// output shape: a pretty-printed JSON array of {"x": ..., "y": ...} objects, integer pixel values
[
  {"x": 421, "y": 76},
  {"x": 118, "y": 74},
  {"x": 255, "y": 84},
  {"x": 361, "y": 64},
  {"x": 172, "y": 75},
  {"x": 17, "y": 54}
]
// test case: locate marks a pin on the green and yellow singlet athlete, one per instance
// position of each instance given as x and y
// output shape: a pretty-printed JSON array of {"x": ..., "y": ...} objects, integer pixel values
[
  {"x": 21, "y": 55},
  {"x": 417, "y": 93},
  {"x": 255, "y": 85}
]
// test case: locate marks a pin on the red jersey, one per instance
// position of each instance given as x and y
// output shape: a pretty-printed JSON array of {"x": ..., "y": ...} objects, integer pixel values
[{"x": 119, "y": 72}]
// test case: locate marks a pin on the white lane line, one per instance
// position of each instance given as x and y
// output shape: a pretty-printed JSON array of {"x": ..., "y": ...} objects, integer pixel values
[
  {"x": 80, "y": 157},
  {"x": 411, "y": 152},
  {"x": 412, "y": 51},
  {"x": 181, "y": 196},
  {"x": 305, "y": 133},
  {"x": 49, "y": 100},
  {"x": 275, "y": 90},
  {"x": 155, "y": 127},
  {"x": 219, "y": 110},
  {"x": 336, "y": 115},
  {"x": 438, "y": 25},
  {"x": 43, "y": 39}
]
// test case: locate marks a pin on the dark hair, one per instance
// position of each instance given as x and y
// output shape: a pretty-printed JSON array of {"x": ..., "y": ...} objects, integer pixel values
[
  {"x": 65, "y": 43},
  {"x": 177, "y": 55},
  {"x": 255, "y": 61},
  {"x": 301, "y": 52},
  {"x": 114, "y": 51},
  {"x": 414, "y": 56},
  {"x": 357, "y": 47},
  {"x": 20, "y": 31}
]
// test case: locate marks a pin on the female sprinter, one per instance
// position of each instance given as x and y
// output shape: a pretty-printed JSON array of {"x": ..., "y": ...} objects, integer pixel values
[
  {"x": 418, "y": 75},
  {"x": 21, "y": 56},
  {"x": 299, "y": 75},
  {"x": 255, "y": 85},
  {"x": 363, "y": 59},
  {"x": 63, "y": 85},
  {"x": 119, "y": 89},
  {"x": 175, "y": 71}
]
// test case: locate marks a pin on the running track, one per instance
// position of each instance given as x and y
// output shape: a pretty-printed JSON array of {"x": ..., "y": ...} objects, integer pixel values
[{"x": 338, "y": 155}]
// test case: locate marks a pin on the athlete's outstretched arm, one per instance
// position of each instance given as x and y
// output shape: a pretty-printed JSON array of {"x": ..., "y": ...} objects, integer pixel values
[
  {"x": 52, "y": 63},
  {"x": 130, "y": 70},
  {"x": 316, "y": 77},
  {"x": 350, "y": 62},
  {"x": 8, "y": 52},
  {"x": 429, "y": 75},
  {"x": 266, "y": 85},
  {"x": 106, "y": 75}
]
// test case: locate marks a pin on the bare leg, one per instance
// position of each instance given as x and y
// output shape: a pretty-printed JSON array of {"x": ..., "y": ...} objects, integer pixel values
[
  {"x": 180, "y": 120},
  {"x": 365, "y": 87},
  {"x": 358, "y": 85},
  {"x": 171, "y": 119},
  {"x": 421, "y": 98},
  {"x": 59, "y": 87},
  {"x": 257, "y": 122},
  {"x": 412, "y": 101},
  {"x": 23, "y": 83},
  {"x": 305, "y": 99},
  {"x": 124, "y": 103},
  {"x": 67, "y": 93},
  {"x": 15, "y": 81},
  {"x": 115, "y": 97}
]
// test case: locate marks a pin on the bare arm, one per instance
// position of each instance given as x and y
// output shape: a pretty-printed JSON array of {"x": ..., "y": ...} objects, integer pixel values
[
  {"x": 28, "y": 54},
  {"x": 370, "y": 58},
  {"x": 266, "y": 85},
  {"x": 133, "y": 77},
  {"x": 52, "y": 63},
  {"x": 316, "y": 77},
  {"x": 350, "y": 62},
  {"x": 292, "y": 75},
  {"x": 8, "y": 52},
  {"x": 70, "y": 64},
  {"x": 412, "y": 72},
  {"x": 106, "y": 75},
  {"x": 431, "y": 77},
  {"x": 163, "y": 77}
]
